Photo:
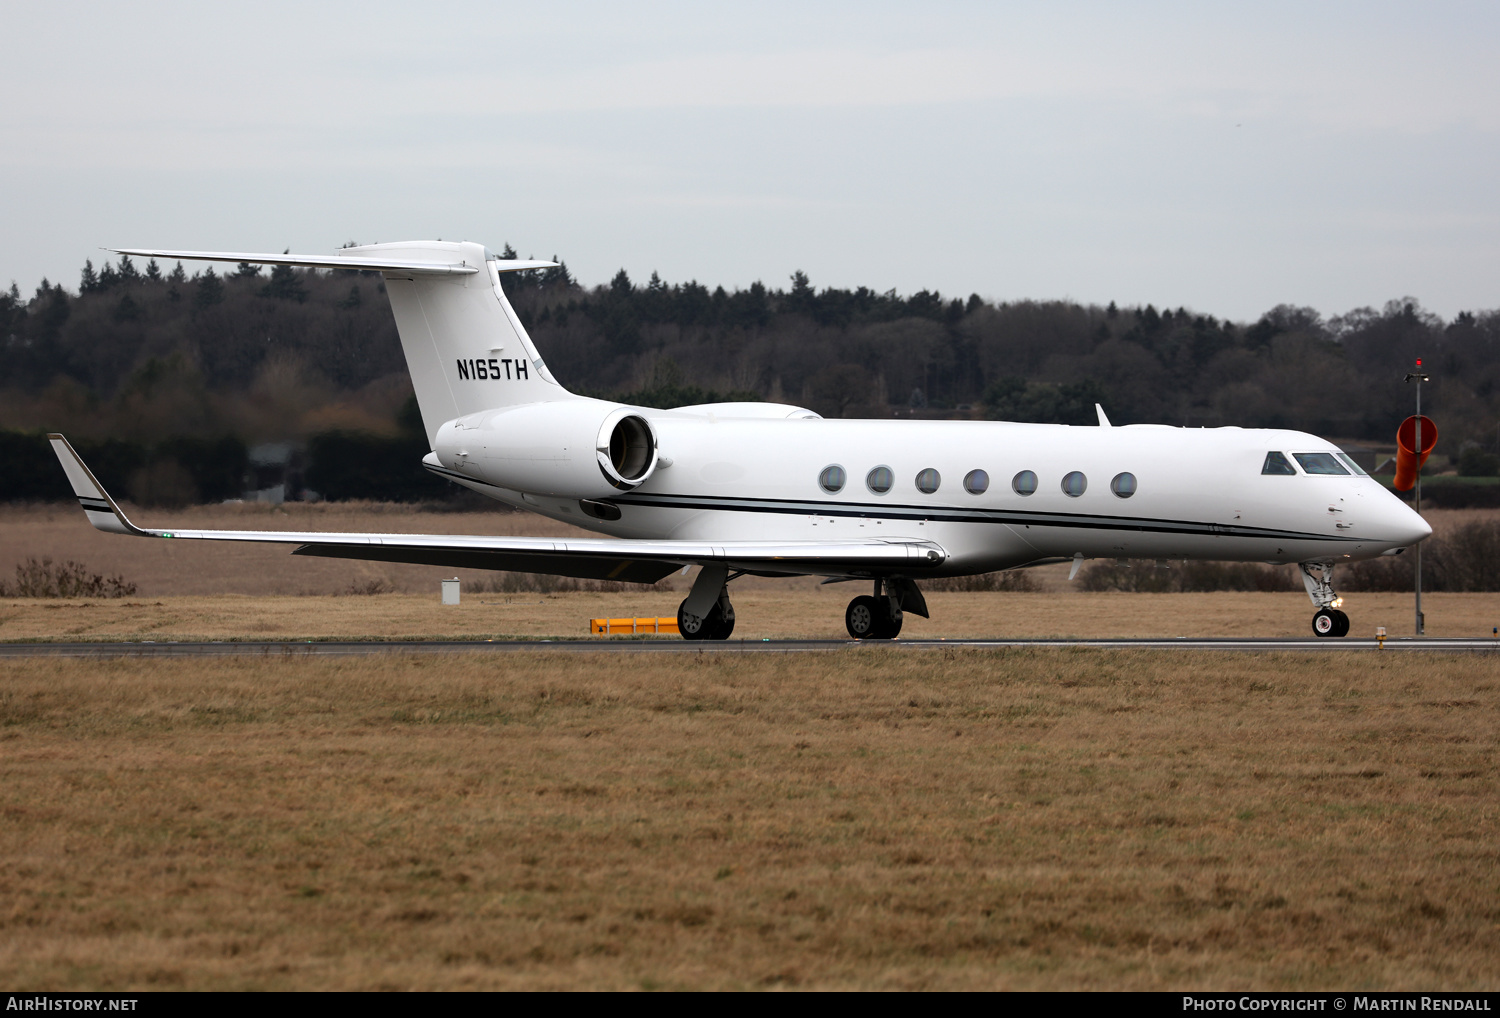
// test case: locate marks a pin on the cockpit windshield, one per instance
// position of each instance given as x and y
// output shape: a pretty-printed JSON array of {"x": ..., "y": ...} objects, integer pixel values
[
  {"x": 1277, "y": 463},
  {"x": 1349, "y": 462},
  {"x": 1320, "y": 463}
]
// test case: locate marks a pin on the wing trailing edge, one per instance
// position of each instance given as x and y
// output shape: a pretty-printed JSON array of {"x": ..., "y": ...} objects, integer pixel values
[{"x": 603, "y": 558}]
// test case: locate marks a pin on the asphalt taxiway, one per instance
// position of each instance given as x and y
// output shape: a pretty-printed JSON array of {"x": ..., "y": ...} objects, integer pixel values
[{"x": 344, "y": 648}]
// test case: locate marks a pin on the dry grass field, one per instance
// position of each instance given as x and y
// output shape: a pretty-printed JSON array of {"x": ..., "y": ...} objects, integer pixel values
[
  {"x": 159, "y": 568},
  {"x": 863, "y": 818},
  {"x": 860, "y": 819},
  {"x": 762, "y": 613}
]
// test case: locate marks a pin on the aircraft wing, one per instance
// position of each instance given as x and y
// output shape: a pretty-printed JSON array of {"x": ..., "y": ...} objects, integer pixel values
[{"x": 635, "y": 561}]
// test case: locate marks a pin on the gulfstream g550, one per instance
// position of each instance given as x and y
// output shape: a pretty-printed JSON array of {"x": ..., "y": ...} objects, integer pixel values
[{"x": 776, "y": 490}]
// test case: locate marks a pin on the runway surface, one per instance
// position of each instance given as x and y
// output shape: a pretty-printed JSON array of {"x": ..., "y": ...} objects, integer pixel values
[{"x": 337, "y": 648}]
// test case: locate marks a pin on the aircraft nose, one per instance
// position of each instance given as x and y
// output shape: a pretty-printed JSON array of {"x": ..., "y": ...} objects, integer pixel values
[{"x": 1406, "y": 528}]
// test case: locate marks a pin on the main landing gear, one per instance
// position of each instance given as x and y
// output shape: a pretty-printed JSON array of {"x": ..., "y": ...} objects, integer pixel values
[
  {"x": 706, "y": 614},
  {"x": 873, "y": 618},
  {"x": 879, "y": 617},
  {"x": 1317, "y": 577},
  {"x": 716, "y": 625}
]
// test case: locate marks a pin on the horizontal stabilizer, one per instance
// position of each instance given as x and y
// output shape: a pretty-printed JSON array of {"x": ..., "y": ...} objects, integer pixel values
[{"x": 361, "y": 263}]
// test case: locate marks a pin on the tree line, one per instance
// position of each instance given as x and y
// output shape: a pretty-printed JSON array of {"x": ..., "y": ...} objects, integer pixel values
[{"x": 148, "y": 355}]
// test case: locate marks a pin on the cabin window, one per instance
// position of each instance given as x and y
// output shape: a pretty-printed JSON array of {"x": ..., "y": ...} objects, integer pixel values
[
  {"x": 832, "y": 479},
  {"x": 1123, "y": 485},
  {"x": 1349, "y": 462},
  {"x": 1276, "y": 463},
  {"x": 1320, "y": 463},
  {"x": 928, "y": 481},
  {"x": 976, "y": 482},
  {"x": 1075, "y": 484},
  {"x": 1024, "y": 483},
  {"x": 880, "y": 480}
]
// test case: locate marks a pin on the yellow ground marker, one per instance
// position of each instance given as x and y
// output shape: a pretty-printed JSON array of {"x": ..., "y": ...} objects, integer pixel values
[{"x": 608, "y": 626}]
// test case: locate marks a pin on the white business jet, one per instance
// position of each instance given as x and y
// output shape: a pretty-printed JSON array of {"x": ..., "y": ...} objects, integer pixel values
[{"x": 774, "y": 490}]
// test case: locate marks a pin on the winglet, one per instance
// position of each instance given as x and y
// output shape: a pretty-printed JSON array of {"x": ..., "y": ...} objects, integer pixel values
[
  {"x": 1103, "y": 421},
  {"x": 97, "y": 505}
]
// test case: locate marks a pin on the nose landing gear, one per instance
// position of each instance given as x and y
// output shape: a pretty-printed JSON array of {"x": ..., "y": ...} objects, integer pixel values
[{"x": 1329, "y": 621}]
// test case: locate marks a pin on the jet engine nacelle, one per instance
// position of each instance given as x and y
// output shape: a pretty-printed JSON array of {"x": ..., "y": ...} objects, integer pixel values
[{"x": 577, "y": 448}]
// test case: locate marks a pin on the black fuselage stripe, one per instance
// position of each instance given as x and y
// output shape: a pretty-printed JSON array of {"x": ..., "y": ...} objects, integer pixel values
[{"x": 1015, "y": 517}]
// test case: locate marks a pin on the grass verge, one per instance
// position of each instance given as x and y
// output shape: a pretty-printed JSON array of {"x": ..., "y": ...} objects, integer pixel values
[{"x": 1025, "y": 819}]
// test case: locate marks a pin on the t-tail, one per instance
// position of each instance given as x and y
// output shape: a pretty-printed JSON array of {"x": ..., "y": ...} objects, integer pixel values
[{"x": 466, "y": 349}]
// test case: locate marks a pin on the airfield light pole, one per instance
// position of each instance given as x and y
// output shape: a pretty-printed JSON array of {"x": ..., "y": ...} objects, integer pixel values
[{"x": 1419, "y": 377}]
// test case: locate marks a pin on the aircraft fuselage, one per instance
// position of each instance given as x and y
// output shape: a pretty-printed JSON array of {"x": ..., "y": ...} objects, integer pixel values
[{"x": 1190, "y": 493}]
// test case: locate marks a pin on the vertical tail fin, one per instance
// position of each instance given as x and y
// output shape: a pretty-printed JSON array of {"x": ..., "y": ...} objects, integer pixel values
[
  {"x": 466, "y": 349},
  {"x": 464, "y": 345}
]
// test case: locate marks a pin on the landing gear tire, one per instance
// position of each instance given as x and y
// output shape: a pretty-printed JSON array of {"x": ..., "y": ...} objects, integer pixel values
[
  {"x": 869, "y": 618},
  {"x": 717, "y": 625},
  {"x": 861, "y": 618},
  {"x": 1330, "y": 622}
]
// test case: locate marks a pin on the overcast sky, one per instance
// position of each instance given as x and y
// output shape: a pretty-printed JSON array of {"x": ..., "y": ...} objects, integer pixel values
[{"x": 1222, "y": 157}]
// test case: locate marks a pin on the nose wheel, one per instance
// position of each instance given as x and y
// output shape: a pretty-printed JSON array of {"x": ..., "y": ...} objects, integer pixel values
[{"x": 1330, "y": 622}]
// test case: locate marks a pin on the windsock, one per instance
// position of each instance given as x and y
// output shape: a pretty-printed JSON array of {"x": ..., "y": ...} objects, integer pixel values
[{"x": 1409, "y": 459}]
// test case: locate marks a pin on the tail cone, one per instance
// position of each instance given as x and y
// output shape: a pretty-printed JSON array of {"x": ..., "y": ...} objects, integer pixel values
[{"x": 1409, "y": 459}]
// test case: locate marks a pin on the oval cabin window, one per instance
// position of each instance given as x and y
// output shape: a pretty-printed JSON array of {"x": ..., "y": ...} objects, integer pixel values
[
  {"x": 976, "y": 482},
  {"x": 1075, "y": 484},
  {"x": 928, "y": 481},
  {"x": 1123, "y": 485},
  {"x": 832, "y": 479},
  {"x": 879, "y": 480},
  {"x": 1024, "y": 483}
]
